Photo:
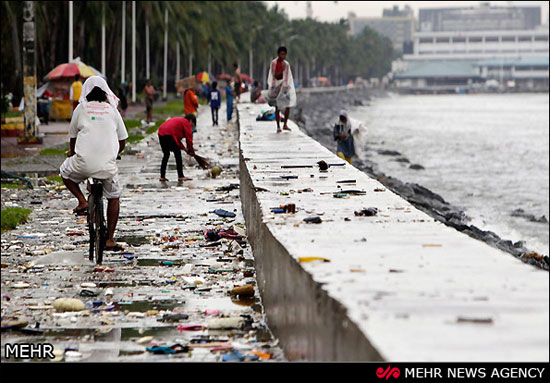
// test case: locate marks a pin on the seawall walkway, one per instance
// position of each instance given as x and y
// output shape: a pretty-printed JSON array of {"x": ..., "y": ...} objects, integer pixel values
[{"x": 396, "y": 286}]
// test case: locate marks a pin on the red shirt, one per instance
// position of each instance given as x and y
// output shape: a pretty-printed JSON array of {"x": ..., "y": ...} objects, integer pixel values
[{"x": 178, "y": 127}]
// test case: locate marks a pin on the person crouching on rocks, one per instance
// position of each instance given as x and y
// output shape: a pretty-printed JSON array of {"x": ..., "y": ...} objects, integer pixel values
[
  {"x": 342, "y": 135},
  {"x": 170, "y": 133}
]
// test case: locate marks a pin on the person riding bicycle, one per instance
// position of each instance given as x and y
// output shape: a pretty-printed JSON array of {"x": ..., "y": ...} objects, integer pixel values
[{"x": 97, "y": 136}]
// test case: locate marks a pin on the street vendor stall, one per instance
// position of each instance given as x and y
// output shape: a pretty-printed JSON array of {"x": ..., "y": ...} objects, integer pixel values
[{"x": 60, "y": 79}]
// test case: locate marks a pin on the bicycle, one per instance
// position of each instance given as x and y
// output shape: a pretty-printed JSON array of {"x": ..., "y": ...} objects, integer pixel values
[{"x": 96, "y": 220}]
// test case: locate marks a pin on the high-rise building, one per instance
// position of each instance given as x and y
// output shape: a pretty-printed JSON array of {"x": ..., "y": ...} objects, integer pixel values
[
  {"x": 482, "y": 18},
  {"x": 397, "y": 25},
  {"x": 462, "y": 46}
]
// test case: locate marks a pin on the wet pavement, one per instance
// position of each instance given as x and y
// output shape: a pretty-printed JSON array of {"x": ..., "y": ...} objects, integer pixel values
[{"x": 169, "y": 295}]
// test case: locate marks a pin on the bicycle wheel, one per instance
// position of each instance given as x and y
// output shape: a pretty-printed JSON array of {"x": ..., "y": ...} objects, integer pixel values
[
  {"x": 91, "y": 226},
  {"x": 99, "y": 221}
]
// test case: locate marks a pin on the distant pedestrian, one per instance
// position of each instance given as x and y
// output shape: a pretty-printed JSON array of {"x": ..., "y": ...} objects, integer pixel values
[
  {"x": 170, "y": 134},
  {"x": 190, "y": 102},
  {"x": 229, "y": 100},
  {"x": 76, "y": 90},
  {"x": 281, "y": 92},
  {"x": 238, "y": 82},
  {"x": 205, "y": 90},
  {"x": 123, "y": 95},
  {"x": 150, "y": 92},
  {"x": 256, "y": 92},
  {"x": 214, "y": 97}
]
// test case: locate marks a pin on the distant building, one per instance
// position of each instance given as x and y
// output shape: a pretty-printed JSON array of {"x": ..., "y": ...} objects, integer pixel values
[
  {"x": 474, "y": 45},
  {"x": 520, "y": 74},
  {"x": 397, "y": 25},
  {"x": 482, "y": 18},
  {"x": 469, "y": 48}
]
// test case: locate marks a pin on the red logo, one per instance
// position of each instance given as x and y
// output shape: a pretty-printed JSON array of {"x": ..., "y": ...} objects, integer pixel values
[{"x": 388, "y": 372}]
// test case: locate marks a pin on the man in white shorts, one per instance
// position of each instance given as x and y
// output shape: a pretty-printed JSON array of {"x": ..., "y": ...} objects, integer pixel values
[{"x": 97, "y": 136}]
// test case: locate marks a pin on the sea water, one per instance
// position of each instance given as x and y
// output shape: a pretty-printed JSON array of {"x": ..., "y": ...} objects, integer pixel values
[{"x": 485, "y": 153}]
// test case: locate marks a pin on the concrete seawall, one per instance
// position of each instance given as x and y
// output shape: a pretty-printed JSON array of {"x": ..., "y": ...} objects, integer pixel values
[{"x": 397, "y": 286}]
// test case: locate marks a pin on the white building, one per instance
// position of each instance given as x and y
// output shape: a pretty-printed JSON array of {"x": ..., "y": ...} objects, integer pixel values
[{"x": 476, "y": 45}]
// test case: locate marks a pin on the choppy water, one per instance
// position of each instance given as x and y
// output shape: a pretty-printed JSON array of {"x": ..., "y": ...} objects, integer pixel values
[{"x": 488, "y": 154}]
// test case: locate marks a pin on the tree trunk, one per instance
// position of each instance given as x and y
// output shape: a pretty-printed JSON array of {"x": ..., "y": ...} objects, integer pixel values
[
  {"x": 53, "y": 36},
  {"x": 29, "y": 75},
  {"x": 15, "y": 40}
]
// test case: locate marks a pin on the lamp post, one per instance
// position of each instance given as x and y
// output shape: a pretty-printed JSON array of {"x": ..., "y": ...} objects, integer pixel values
[
  {"x": 133, "y": 51},
  {"x": 123, "y": 49},
  {"x": 29, "y": 75},
  {"x": 165, "y": 53},
  {"x": 70, "y": 31}
]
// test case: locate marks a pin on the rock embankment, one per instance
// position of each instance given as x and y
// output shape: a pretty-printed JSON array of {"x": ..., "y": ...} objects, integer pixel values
[{"x": 315, "y": 112}]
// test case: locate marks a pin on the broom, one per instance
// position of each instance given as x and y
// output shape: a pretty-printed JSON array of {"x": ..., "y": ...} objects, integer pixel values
[{"x": 203, "y": 162}]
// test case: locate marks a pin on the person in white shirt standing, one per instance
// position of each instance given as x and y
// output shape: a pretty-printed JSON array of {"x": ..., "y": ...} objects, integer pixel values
[{"x": 97, "y": 136}]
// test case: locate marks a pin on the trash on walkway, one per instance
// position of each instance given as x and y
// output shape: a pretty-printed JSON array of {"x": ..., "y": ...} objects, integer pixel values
[
  {"x": 226, "y": 323},
  {"x": 174, "y": 317},
  {"x": 313, "y": 220},
  {"x": 175, "y": 349},
  {"x": 352, "y": 192},
  {"x": 310, "y": 259},
  {"x": 68, "y": 304},
  {"x": 322, "y": 165},
  {"x": 233, "y": 356},
  {"x": 243, "y": 291},
  {"x": 224, "y": 213},
  {"x": 190, "y": 327},
  {"x": 369, "y": 212}
]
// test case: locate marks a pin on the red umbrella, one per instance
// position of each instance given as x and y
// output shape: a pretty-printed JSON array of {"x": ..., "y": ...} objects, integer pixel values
[
  {"x": 63, "y": 70},
  {"x": 224, "y": 77},
  {"x": 246, "y": 78}
]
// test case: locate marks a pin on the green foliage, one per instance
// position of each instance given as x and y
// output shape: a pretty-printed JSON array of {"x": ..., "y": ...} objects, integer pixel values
[
  {"x": 53, "y": 152},
  {"x": 132, "y": 139},
  {"x": 171, "y": 108},
  {"x": 55, "y": 179},
  {"x": 12, "y": 186},
  {"x": 131, "y": 124},
  {"x": 13, "y": 216},
  {"x": 154, "y": 128},
  {"x": 215, "y": 32}
]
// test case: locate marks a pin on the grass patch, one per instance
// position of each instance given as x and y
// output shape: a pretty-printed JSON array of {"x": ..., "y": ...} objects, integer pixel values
[
  {"x": 131, "y": 124},
  {"x": 155, "y": 127},
  {"x": 132, "y": 139},
  {"x": 55, "y": 179},
  {"x": 13, "y": 216},
  {"x": 171, "y": 108},
  {"x": 55, "y": 151},
  {"x": 12, "y": 186}
]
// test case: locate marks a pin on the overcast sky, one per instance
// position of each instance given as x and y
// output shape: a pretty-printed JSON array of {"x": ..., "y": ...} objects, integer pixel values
[{"x": 335, "y": 10}]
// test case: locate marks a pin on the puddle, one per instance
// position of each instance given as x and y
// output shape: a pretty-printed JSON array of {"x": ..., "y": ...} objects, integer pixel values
[
  {"x": 117, "y": 284},
  {"x": 142, "y": 306},
  {"x": 69, "y": 332},
  {"x": 134, "y": 240},
  {"x": 158, "y": 262},
  {"x": 65, "y": 258},
  {"x": 157, "y": 332}
]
